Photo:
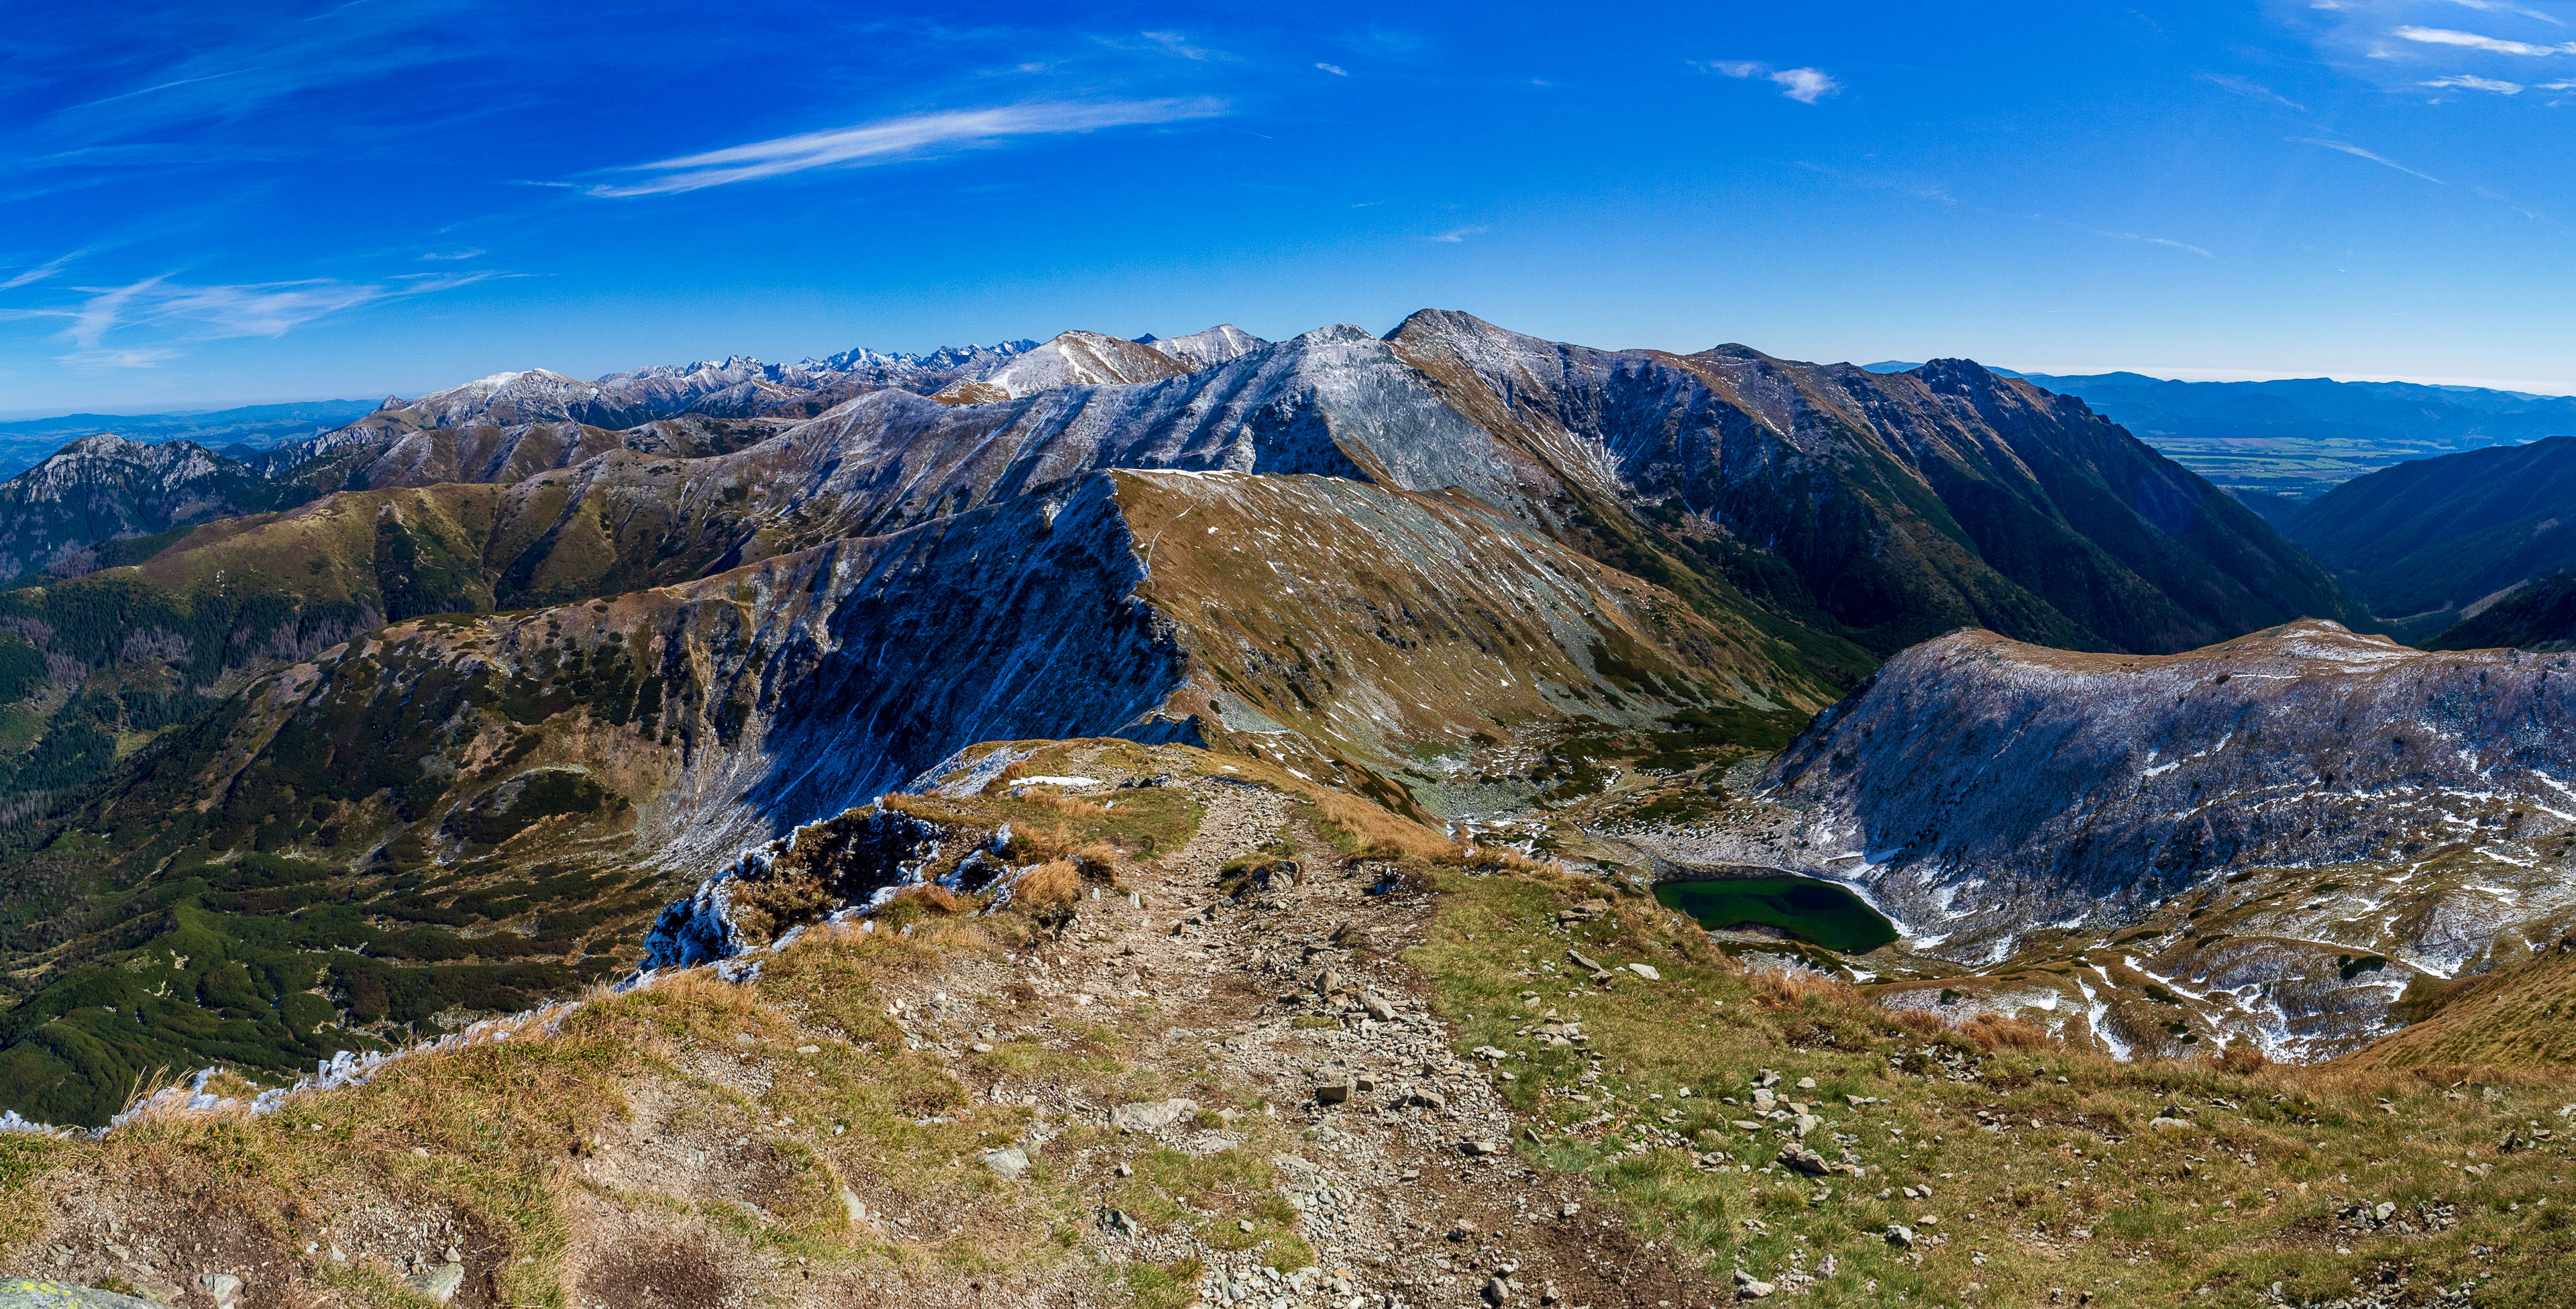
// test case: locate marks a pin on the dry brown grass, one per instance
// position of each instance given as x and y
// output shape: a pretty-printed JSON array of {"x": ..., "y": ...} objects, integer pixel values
[
  {"x": 2243, "y": 1060},
  {"x": 933, "y": 896},
  {"x": 1993, "y": 1031},
  {"x": 1055, "y": 882},
  {"x": 1068, "y": 805},
  {"x": 1002, "y": 781}
]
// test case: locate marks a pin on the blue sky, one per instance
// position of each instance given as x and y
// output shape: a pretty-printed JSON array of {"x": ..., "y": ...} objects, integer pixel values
[{"x": 204, "y": 205}]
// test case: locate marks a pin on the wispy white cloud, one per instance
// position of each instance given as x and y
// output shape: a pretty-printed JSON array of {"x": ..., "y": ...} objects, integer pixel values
[
  {"x": 148, "y": 357},
  {"x": 185, "y": 312},
  {"x": 2503, "y": 7},
  {"x": 2140, "y": 237},
  {"x": 1456, "y": 235},
  {"x": 1174, "y": 43},
  {"x": 2474, "y": 41},
  {"x": 1804, "y": 85},
  {"x": 469, "y": 252},
  {"x": 41, "y": 271},
  {"x": 2467, "y": 83},
  {"x": 1334, "y": 69},
  {"x": 2252, "y": 90},
  {"x": 893, "y": 139},
  {"x": 2358, "y": 153}
]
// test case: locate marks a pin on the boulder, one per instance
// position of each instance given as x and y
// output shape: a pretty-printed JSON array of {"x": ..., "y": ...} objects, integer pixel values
[{"x": 1008, "y": 1164}]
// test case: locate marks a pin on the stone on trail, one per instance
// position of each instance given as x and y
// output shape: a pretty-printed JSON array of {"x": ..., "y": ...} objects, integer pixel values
[{"x": 1152, "y": 1115}]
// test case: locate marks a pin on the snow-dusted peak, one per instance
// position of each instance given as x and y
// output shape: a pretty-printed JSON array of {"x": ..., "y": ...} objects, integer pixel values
[
  {"x": 531, "y": 396},
  {"x": 1207, "y": 349},
  {"x": 1074, "y": 358}
]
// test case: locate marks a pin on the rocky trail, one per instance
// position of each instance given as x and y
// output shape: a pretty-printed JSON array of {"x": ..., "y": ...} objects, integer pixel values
[{"x": 1394, "y": 1153}]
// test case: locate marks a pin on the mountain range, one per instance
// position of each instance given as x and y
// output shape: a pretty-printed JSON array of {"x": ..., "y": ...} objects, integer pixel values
[
  {"x": 1172, "y": 820},
  {"x": 454, "y": 697}
]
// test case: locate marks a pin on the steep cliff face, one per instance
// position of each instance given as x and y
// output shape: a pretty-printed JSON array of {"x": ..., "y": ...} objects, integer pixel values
[{"x": 1985, "y": 790}]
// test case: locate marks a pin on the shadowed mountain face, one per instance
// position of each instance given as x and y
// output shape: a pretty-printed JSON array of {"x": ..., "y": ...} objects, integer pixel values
[
  {"x": 2540, "y": 616},
  {"x": 2425, "y": 544},
  {"x": 1895, "y": 506},
  {"x": 526, "y": 654}
]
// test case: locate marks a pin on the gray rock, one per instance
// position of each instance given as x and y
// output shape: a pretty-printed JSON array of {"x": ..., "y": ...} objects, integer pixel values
[
  {"x": 1497, "y": 1291},
  {"x": 1646, "y": 971},
  {"x": 440, "y": 1283},
  {"x": 1805, "y": 1160},
  {"x": 1377, "y": 1007},
  {"x": 43, "y": 1293},
  {"x": 223, "y": 1288},
  {"x": 1805, "y": 1123},
  {"x": 1152, "y": 1115},
  {"x": 2162, "y": 1124},
  {"x": 1008, "y": 1164},
  {"x": 1900, "y": 1236},
  {"x": 1332, "y": 1091},
  {"x": 1585, "y": 961}
]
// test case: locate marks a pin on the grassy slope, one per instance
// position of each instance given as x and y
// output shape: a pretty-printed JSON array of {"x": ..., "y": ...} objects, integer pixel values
[
  {"x": 2242, "y": 1199},
  {"x": 2521, "y": 1014},
  {"x": 2074, "y": 1192}
]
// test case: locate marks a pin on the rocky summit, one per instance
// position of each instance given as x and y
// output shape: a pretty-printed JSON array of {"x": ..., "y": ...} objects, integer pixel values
[{"x": 1214, "y": 821}]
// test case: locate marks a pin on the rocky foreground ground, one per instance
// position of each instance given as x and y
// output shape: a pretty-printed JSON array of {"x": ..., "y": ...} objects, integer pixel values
[{"x": 1258, "y": 1069}]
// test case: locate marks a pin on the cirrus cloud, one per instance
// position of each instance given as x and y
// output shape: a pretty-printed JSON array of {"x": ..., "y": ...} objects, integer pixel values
[
  {"x": 894, "y": 139},
  {"x": 2467, "y": 83},
  {"x": 2474, "y": 41}
]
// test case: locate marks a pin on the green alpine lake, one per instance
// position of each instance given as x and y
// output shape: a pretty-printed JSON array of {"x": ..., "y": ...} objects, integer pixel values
[{"x": 1809, "y": 909}]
